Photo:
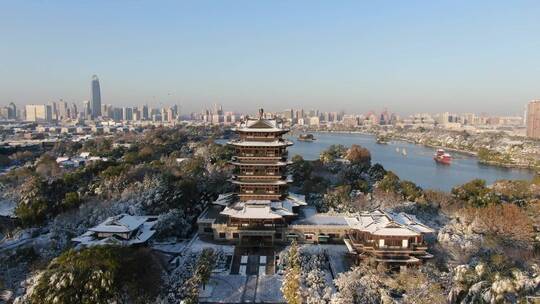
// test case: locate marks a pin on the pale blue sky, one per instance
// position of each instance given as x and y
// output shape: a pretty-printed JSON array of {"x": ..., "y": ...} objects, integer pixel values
[{"x": 408, "y": 56}]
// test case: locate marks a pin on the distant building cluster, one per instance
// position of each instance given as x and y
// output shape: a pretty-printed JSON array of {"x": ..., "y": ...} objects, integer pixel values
[
  {"x": 103, "y": 115},
  {"x": 91, "y": 110},
  {"x": 342, "y": 121}
]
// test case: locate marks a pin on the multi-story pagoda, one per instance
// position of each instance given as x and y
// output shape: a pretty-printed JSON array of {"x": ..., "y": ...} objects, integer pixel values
[{"x": 261, "y": 208}]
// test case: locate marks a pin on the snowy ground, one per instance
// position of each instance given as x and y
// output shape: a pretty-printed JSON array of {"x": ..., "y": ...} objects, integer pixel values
[
  {"x": 226, "y": 287},
  {"x": 243, "y": 289},
  {"x": 170, "y": 248},
  {"x": 199, "y": 245},
  {"x": 250, "y": 287},
  {"x": 7, "y": 208}
]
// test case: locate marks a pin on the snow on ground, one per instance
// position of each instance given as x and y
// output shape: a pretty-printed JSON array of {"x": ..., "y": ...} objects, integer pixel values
[
  {"x": 7, "y": 208},
  {"x": 171, "y": 247},
  {"x": 199, "y": 245},
  {"x": 242, "y": 289},
  {"x": 224, "y": 289},
  {"x": 268, "y": 290}
]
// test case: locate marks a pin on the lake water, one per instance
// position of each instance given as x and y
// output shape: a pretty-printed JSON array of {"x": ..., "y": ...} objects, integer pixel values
[{"x": 417, "y": 166}]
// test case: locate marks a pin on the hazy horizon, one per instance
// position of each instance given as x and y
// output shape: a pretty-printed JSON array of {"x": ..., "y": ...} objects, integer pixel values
[{"x": 415, "y": 56}]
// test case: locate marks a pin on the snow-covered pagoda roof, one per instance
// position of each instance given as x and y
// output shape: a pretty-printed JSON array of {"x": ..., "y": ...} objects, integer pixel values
[
  {"x": 261, "y": 124},
  {"x": 264, "y": 209},
  {"x": 383, "y": 223}
]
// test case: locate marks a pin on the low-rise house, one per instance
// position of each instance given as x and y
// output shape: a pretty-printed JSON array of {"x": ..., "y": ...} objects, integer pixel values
[{"x": 123, "y": 229}]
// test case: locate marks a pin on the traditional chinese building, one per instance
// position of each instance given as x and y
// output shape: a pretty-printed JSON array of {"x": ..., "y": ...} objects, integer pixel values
[
  {"x": 261, "y": 212},
  {"x": 123, "y": 229},
  {"x": 389, "y": 238},
  {"x": 260, "y": 209}
]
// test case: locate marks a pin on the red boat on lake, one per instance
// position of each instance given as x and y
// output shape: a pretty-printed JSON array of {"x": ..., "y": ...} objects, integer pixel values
[{"x": 442, "y": 157}]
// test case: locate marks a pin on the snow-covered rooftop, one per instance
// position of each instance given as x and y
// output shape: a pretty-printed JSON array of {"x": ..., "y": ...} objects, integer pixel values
[
  {"x": 260, "y": 125},
  {"x": 120, "y": 224},
  {"x": 383, "y": 223},
  {"x": 264, "y": 209},
  {"x": 139, "y": 228}
]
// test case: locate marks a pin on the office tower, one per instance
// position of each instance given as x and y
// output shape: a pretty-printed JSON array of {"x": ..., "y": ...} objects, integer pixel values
[
  {"x": 38, "y": 113},
  {"x": 4, "y": 112},
  {"x": 127, "y": 114},
  {"x": 73, "y": 112},
  {"x": 117, "y": 114},
  {"x": 62, "y": 110},
  {"x": 218, "y": 109},
  {"x": 54, "y": 110},
  {"x": 12, "y": 112},
  {"x": 136, "y": 114},
  {"x": 533, "y": 119},
  {"x": 87, "y": 110},
  {"x": 171, "y": 115},
  {"x": 106, "y": 111},
  {"x": 145, "y": 113},
  {"x": 95, "y": 102}
]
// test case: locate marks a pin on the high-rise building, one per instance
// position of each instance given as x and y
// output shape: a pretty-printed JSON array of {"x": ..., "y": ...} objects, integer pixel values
[
  {"x": 127, "y": 114},
  {"x": 62, "y": 110},
  {"x": 38, "y": 113},
  {"x": 117, "y": 114},
  {"x": 95, "y": 102},
  {"x": 145, "y": 115},
  {"x": 87, "y": 110},
  {"x": 4, "y": 113},
  {"x": 73, "y": 112},
  {"x": 533, "y": 119},
  {"x": 12, "y": 113}
]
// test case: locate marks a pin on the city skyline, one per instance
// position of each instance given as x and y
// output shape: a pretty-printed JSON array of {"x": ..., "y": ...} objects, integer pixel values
[{"x": 413, "y": 57}]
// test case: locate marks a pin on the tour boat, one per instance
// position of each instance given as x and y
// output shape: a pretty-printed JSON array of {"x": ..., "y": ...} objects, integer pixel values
[
  {"x": 306, "y": 137},
  {"x": 382, "y": 140},
  {"x": 442, "y": 157}
]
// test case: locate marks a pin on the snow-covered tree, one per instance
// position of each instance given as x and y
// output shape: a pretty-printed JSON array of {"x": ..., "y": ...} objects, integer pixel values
[{"x": 291, "y": 281}]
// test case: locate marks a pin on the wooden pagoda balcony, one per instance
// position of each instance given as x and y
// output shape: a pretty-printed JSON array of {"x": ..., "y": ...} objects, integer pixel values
[
  {"x": 260, "y": 159},
  {"x": 260, "y": 196}
]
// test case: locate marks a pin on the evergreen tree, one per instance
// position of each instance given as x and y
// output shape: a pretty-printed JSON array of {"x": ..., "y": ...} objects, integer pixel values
[{"x": 291, "y": 281}]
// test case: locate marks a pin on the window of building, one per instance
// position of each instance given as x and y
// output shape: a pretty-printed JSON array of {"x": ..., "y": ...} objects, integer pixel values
[
  {"x": 208, "y": 230},
  {"x": 235, "y": 235},
  {"x": 308, "y": 236},
  {"x": 222, "y": 235}
]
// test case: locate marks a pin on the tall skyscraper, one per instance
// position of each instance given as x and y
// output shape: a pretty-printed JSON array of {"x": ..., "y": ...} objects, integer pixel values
[
  {"x": 145, "y": 112},
  {"x": 533, "y": 119},
  {"x": 95, "y": 102}
]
